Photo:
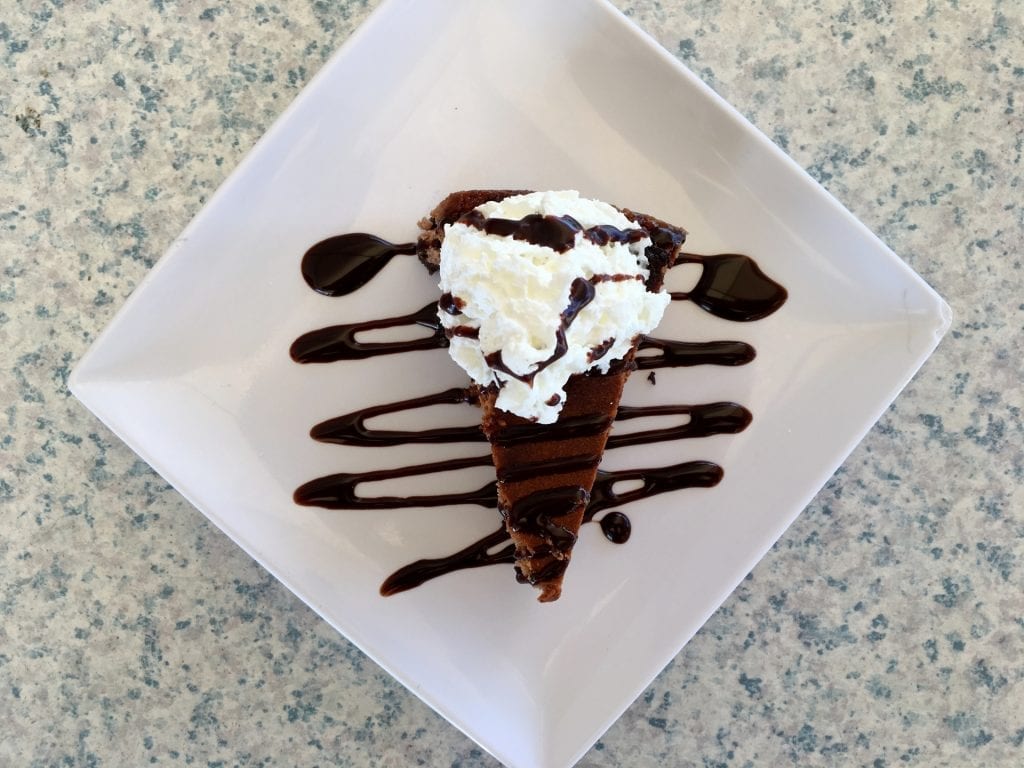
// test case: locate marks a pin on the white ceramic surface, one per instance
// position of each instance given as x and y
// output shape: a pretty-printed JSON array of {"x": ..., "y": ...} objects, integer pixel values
[{"x": 194, "y": 372}]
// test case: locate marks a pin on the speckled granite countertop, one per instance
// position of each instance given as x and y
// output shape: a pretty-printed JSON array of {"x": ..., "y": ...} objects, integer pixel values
[{"x": 886, "y": 628}]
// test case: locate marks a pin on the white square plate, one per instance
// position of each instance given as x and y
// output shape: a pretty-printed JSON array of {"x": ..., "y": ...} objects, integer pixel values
[{"x": 431, "y": 96}]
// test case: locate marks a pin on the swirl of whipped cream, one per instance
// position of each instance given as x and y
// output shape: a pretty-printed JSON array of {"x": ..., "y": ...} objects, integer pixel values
[{"x": 541, "y": 287}]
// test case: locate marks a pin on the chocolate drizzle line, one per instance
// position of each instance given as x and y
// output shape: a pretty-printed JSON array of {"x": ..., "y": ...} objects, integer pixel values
[
  {"x": 581, "y": 293},
  {"x": 690, "y": 474},
  {"x": 677, "y": 354},
  {"x": 555, "y": 232},
  {"x": 339, "y": 342},
  {"x": 340, "y": 265},
  {"x": 731, "y": 286},
  {"x": 351, "y": 428},
  {"x": 600, "y": 350},
  {"x": 338, "y": 491},
  {"x": 475, "y": 555},
  {"x": 463, "y": 331},
  {"x": 705, "y": 420},
  {"x": 563, "y": 464},
  {"x": 533, "y": 513}
]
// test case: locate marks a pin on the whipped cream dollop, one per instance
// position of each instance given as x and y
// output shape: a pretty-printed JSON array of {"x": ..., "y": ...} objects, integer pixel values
[{"x": 538, "y": 287}]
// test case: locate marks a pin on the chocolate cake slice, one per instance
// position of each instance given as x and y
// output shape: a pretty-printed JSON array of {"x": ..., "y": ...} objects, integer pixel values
[{"x": 546, "y": 471}]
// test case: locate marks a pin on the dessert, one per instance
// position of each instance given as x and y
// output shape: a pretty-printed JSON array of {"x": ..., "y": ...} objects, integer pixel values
[
  {"x": 731, "y": 286},
  {"x": 545, "y": 297}
]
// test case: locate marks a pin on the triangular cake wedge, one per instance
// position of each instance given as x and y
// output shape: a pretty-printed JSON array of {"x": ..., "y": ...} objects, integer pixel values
[{"x": 546, "y": 472}]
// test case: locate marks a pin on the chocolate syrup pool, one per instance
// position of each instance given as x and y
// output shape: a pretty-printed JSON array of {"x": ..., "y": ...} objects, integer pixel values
[{"x": 731, "y": 286}]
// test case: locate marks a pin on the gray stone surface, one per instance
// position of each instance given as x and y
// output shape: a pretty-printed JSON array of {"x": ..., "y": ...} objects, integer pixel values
[{"x": 886, "y": 628}]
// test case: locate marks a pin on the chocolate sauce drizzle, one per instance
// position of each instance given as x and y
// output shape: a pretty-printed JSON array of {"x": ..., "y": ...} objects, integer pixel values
[
  {"x": 704, "y": 421},
  {"x": 340, "y": 265},
  {"x": 555, "y": 232},
  {"x": 338, "y": 491},
  {"x": 581, "y": 293},
  {"x": 600, "y": 350},
  {"x": 675, "y": 354},
  {"x": 450, "y": 305},
  {"x": 339, "y": 342},
  {"x": 534, "y": 514},
  {"x": 351, "y": 428},
  {"x": 617, "y": 529},
  {"x": 731, "y": 286}
]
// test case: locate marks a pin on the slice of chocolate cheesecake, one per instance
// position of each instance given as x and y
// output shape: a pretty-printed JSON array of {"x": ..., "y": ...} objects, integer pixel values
[{"x": 544, "y": 299}]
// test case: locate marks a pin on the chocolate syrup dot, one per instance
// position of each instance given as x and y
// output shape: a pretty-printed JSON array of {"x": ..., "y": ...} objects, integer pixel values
[
  {"x": 451, "y": 305},
  {"x": 616, "y": 527}
]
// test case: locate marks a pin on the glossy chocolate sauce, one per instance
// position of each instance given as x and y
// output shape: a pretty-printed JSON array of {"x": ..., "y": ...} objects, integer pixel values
[
  {"x": 555, "y": 232},
  {"x": 731, "y": 286},
  {"x": 534, "y": 514},
  {"x": 338, "y": 491},
  {"x": 676, "y": 354},
  {"x": 340, "y": 265},
  {"x": 450, "y": 305},
  {"x": 477, "y": 554},
  {"x": 339, "y": 342},
  {"x": 581, "y": 293},
  {"x": 617, "y": 528},
  {"x": 600, "y": 350},
  {"x": 704, "y": 421},
  {"x": 464, "y": 331}
]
